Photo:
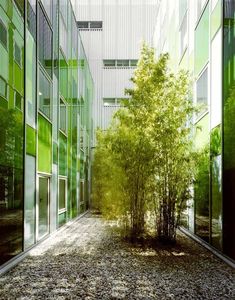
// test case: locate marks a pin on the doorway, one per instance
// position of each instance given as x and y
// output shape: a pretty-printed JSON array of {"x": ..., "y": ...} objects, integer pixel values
[{"x": 43, "y": 206}]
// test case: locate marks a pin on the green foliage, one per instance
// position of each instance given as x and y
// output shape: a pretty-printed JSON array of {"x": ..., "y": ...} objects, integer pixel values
[{"x": 144, "y": 163}]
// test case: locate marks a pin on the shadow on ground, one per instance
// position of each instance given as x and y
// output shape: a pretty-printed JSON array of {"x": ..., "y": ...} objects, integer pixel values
[{"x": 88, "y": 260}]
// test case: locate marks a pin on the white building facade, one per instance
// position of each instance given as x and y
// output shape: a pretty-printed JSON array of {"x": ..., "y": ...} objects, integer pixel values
[{"x": 112, "y": 32}]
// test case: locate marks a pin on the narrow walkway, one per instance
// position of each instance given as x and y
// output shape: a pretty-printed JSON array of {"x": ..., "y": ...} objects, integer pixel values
[{"x": 84, "y": 261}]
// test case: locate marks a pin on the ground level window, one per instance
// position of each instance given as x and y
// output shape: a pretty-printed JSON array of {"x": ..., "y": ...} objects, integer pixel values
[{"x": 62, "y": 195}]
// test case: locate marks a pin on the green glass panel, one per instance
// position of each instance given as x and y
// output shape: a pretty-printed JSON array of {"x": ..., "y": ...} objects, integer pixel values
[
  {"x": 31, "y": 76},
  {"x": 216, "y": 18},
  {"x": 44, "y": 94},
  {"x": 202, "y": 179},
  {"x": 216, "y": 202},
  {"x": 229, "y": 129},
  {"x": 11, "y": 141},
  {"x": 202, "y": 42},
  {"x": 55, "y": 153},
  {"x": 30, "y": 140},
  {"x": 62, "y": 154},
  {"x": 44, "y": 145},
  {"x": 62, "y": 219},
  {"x": 202, "y": 132}
]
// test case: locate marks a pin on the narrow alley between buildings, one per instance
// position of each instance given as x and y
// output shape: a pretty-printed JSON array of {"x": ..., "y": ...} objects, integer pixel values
[{"x": 87, "y": 259}]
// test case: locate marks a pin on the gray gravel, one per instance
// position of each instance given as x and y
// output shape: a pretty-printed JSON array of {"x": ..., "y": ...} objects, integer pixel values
[{"x": 88, "y": 260}]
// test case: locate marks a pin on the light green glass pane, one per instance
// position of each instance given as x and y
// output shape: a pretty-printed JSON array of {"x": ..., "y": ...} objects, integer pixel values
[
  {"x": 62, "y": 219},
  {"x": 44, "y": 145},
  {"x": 202, "y": 42},
  {"x": 62, "y": 154},
  {"x": 216, "y": 18},
  {"x": 30, "y": 140},
  {"x": 202, "y": 132}
]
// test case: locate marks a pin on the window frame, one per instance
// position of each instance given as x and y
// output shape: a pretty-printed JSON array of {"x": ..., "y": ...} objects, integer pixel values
[
  {"x": 47, "y": 77},
  {"x": 19, "y": 63},
  {"x": 16, "y": 93},
  {"x": 66, "y": 116},
  {"x": 205, "y": 110},
  {"x": 5, "y": 27},
  {"x": 6, "y": 89},
  {"x": 64, "y": 209},
  {"x": 184, "y": 21}
]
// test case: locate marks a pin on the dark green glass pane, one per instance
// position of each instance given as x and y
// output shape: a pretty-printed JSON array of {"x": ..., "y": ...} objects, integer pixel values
[{"x": 229, "y": 129}]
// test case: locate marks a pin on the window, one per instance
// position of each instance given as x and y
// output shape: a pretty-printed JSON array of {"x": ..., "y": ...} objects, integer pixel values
[
  {"x": 109, "y": 63},
  {"x": 3, "y": 34},
  {"x": 64, "y": 10},
  {"x": 3, "y": 88},
  {"x": 109, "y": 101},
  {"x": 183, "y": 34},
  {"x": 31, "y": 19},
  {"x": 18, "y": 101},
  {"x": 44, "y": 95},
  {"x": 82, "y": 24},
  {"x": 113, "y": 101},
  {"x": 48, "y": 7},
  {"x": 200, "y": 5},
  {"x": 17, "y": 54},
  {"x": 133, "y": 62},
  {"x": 202, "y": 93},
  {"x": 120, "y": 63},
  {"x": 96, "y": 24},
  {"x": 63, "y": 37},
  {"x": 62, "y": 195},
  {"x": 63, "y": 116},
  {"x": 45, "y": 43},
  {"x": 90, "y": 25},
  {"x": 20, "y": 5}
]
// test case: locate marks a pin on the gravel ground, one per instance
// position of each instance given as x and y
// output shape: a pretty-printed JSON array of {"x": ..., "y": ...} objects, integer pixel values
[{"x": 86, "y": 260}]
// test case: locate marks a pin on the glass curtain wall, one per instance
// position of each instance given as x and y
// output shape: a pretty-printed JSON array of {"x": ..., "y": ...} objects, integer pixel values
[
  {"x": 229, "y": 128},
  {"x": 42, "y": 155},
  {"x": 11, "y": 129}
]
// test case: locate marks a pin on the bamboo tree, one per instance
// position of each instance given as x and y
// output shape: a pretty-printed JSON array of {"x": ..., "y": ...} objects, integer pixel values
[{"x": 145, "y": 161}]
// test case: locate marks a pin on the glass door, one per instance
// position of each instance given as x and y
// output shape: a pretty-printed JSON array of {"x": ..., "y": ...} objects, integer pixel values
[{"x": 43, "y": 206}]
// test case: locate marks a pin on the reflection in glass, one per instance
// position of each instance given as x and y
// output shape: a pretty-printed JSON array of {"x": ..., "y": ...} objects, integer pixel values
[
  {"x": 202, "y": 93},
  {"x": 29, "y": 209},
  {"x": 62, "y": 194},
  {"x": 229, "y": 129},
  {"x": 44, "y": 95},
  {"x": 11, "y": 183},
  {"x": 201, "y": 194},
  {"x": 45, "y": 42},
  {"x": 63, "y": 116},
  {"x": 216, "y": 205},
  {"x": 43, "y": 212}
]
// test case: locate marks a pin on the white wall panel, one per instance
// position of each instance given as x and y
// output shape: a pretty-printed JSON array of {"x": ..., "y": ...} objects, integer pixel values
[{"x": 126, "y": 24}]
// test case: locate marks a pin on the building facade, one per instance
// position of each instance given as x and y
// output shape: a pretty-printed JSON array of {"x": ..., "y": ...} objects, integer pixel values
[
  {"x": 112, "y": 33},
  {"x": 46, "y": 93},
  {"x": 199, "y": 37}
]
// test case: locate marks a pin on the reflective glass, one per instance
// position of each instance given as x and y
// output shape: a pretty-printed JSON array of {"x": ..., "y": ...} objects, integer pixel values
[
  {"x": 63, "y": 116},
  {"x": 202, "y": 92},
  {"x": 43, "y": 207},
  {"x": 229, "y": 129},
  {"x": 45, "y": 42},
  {"x": 62, "y": 194},
  {"x": 11, "y": 183},
  {"x": 44, "y": 95},
  {"x": 29, "y": 210}
]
